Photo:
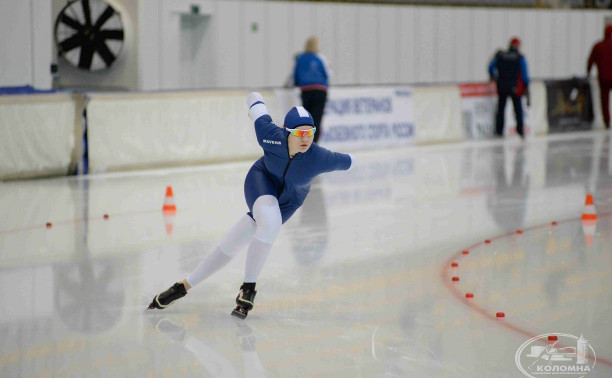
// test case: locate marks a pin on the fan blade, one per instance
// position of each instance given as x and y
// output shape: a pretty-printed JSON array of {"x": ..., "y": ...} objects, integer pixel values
[
  {"x": 108, "y": 13},
  {"x": 105, "y": 53},
  {"x": 71, "y": 43},
  {"x": 111, "y": 34},
  {"x": 86, "y": 57},
  {"x": 71, "y": 22},
  {"x": 86, "y": 12}
]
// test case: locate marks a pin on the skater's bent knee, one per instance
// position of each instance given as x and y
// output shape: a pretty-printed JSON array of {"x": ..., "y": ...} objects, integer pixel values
[
  {"x": 267, "y": 231},
  {"x": 268, "y": 218}
]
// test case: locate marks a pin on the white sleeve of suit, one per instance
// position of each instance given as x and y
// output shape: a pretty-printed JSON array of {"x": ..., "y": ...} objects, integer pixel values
[{"x": 256, "y": 105}]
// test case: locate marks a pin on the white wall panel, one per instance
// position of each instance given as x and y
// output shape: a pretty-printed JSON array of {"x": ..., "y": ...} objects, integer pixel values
[
  {"x": 196, "y": 44},
  {"x": 325, "y": 28},
  {"x": 378, "y": 44},
  {"x": 229, "y": 54},
  {"x": 577, "y": 59},
  {"x": 406, "y": 57},
  {"x": 543, "y": 63},
  {"x": 516, "y": 25},
  {"x": 585, "y": 48},
  {"x": 367, "y": 45},
  {"x": 16, "y": 31},
  {"x": 388, "y": 47},
  {"x": 171, "y": 65},
  {"x": 41, "y": 44},
  {"x": 498, "y": 31},
  {"x": 559, "y": 43},
  {"x": 254, "y": 30},
  {"x": 302, "y": 22},
  {"x": 426, "y": 45},
  {"x": 480, "y": 40},
  {"x": 595, "y": 30},
  {"x": 345, "y": 71},
  {"x": 446, "y": 44},
  {"x": 531, "y": 41},
  {"x": 463, "y": 52},
  {"x": 149, "y": 45},
  {"x": 278, "y": 45}
]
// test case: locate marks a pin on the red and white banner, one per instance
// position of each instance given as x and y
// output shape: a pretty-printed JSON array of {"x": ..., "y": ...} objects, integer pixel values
[{"x": 479, "y": 107}]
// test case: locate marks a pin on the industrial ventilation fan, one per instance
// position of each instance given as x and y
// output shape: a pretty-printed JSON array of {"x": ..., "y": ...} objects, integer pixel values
[{"x": 89, "y": 34}]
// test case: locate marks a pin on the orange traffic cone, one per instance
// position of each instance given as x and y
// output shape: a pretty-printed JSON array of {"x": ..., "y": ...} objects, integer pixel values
[
  {"x": 169, "y": 206},
  {"x": 589, "y": 226},
  {"x": 169, "y": 221},
  {"x": 589, "y": 209}
]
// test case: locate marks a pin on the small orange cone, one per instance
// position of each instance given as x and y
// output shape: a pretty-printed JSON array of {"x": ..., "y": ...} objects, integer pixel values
[
  {"x": 589, "y": 226},
  {"x": 169, "y": 221},
  {"x": 169, "y": 206},
  {"x": 589, "y": 209}
]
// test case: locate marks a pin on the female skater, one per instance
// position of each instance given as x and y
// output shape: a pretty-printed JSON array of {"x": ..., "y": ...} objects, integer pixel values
[{"x": 274, "y": 188}]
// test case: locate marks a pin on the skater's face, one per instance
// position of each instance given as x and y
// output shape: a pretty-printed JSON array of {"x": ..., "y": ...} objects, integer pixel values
[{"x": 300, "y": 143}]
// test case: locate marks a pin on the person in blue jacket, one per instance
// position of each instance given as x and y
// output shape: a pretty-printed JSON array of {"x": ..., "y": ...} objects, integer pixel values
[
  {"x": 274, "y": 188},
  {"x": 509, "y": 70},
  {"x": 311, "y": 73}
]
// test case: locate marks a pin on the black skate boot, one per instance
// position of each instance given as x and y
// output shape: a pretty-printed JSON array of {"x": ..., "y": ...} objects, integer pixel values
[
  {"x": 168, "y": 297},
  {"x": 245, "y": 300}
]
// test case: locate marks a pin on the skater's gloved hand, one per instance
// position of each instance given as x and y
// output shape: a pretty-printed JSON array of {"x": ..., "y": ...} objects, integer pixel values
[
  {"x": 257, "y": 108},
  {"x": 254, "y": 97}
]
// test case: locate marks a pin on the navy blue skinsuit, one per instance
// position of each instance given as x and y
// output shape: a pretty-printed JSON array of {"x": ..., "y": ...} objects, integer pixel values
[{"x": 286, "y": 179}]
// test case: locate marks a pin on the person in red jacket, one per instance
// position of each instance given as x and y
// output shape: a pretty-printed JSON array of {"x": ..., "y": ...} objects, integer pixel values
[{"x": 601, "y": 56}]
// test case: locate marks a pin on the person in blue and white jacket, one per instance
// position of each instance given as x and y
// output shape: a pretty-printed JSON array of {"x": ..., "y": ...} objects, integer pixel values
[
  {"x": 509, "y": 71},
  {"x": 274, "y": 188},
  {"x": 311, "y": 73}
]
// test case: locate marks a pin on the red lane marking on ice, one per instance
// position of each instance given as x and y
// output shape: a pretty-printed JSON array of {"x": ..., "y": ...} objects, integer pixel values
[
  {"x": 73, "y": 221},
  {"x": 445, "y": 272}
]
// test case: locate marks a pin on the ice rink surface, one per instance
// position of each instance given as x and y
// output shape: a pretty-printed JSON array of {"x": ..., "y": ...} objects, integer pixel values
[{"x": 358, "y": 284}]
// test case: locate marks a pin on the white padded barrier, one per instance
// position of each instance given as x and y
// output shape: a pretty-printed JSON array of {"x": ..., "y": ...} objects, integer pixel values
[
  {"x": 437, "y": 114},
  {"x": 39, "y": 135},
  {"x": 538, "y": 109},
  {"x": 480, "y": 108},
  {"x": 151, "y": 130},
  {"x": 598, "y": 123}
]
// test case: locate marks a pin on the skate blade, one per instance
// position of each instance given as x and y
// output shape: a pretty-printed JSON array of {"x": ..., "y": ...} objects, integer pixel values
[{"x": 239, "y": 313}]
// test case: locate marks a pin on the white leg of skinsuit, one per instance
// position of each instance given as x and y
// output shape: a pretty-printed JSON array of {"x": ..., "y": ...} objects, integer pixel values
[
  {"x": 260, "y": 234},
  {"x": 268, "y": 222},
  {"x": 228, "y": 248}
]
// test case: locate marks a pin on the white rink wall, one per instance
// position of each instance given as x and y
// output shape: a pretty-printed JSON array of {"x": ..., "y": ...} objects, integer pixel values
[
  {"x": 42, "y": 134},
  {"x": 39, "y": 135},
  {"x": 128, "y": 131},
  {"x": 133, "y": 131}
]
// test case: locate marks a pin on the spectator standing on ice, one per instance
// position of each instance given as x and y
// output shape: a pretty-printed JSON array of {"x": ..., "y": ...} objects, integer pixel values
[
  {"x": 275, "y": 187},
  {"x": 509, "y": 70},
  {"x": 601, "y": 56},
  {"x": 311, "y": 73}
]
